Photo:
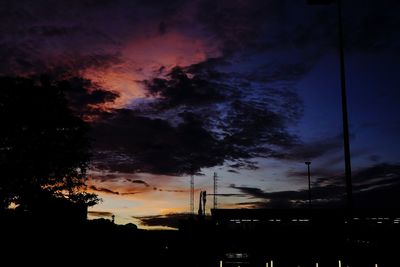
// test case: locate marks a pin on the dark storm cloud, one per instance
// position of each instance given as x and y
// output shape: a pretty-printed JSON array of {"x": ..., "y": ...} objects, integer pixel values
[
  {"x": 257, "y": 26},
  {"x": 72, "y": 36},
  {"x": 202, "y": 131},
  {"x": 201, "y": 84},
  {"x": 178, "y": 89},
  {"x": 83, "y": 94},
  {"x": 55, "y": 39},
  {"x": 202, "y": 116},
  {"x": 39, "y": 39},
  {"x": 236, "y": 23},
  {"x": 153, "y": 145},
  {"x": 375, "y": 186},
  {"x": 32, "y": 59},
  {"x": 169, "y": 220},
  {"x": 199, "y": 118}
]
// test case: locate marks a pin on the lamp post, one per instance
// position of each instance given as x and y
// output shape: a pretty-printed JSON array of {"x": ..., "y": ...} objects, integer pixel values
[
  {"x": 346, "y": 142},
  {"x": 345, "y": 120},
  {"x": 308, "y": 163}
]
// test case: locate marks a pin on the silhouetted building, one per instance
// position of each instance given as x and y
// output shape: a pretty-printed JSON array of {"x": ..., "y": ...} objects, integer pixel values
[
  {"x": 257, "y": 219},
  {"x": 252, "y": 237}
]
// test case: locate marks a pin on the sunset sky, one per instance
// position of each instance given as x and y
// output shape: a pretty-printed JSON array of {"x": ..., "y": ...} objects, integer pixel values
[{"x": 247, "y": 89}]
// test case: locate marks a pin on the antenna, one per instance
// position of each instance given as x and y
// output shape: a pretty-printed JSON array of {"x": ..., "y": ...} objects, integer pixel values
[
  {"x": 215, "y": 190},
  {"x": 191, "y": 194}
]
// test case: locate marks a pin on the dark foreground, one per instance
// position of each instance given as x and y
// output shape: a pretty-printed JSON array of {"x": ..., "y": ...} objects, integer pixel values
[{"x": 198, "y": 243}]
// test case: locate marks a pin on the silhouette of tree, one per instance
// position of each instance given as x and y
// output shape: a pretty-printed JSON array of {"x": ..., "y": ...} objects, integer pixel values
[{"x": 44, "y": 147}]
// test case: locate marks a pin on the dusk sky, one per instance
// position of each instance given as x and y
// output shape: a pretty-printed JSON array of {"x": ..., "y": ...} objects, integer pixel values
[{"x": 247, "y": 89}]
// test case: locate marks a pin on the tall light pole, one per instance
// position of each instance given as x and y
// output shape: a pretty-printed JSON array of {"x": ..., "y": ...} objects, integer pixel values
[
  {"x": 345, "y": 120},
  {"x": 308, "y": 163},
  {"x": 346, "y": 142}
]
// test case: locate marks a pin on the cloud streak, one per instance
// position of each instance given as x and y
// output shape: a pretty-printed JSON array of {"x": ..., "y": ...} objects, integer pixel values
[
  {"x": 374, "y": 186},
  {"x": 100, "y": 213},
  {"x": 172, "y": 220},
  {"x": 103, "y": 190},
  {"x": 139, "y": 182}
]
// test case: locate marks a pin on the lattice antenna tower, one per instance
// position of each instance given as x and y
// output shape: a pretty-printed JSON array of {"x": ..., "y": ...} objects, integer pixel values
[{"x": 215, "y": 190}]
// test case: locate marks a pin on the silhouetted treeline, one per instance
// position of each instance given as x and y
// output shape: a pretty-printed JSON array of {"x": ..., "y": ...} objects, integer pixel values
[{"x": 44, "y": 148}]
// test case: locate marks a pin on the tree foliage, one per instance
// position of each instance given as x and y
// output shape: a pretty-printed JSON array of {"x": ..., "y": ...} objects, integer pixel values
[{"x": 44, "y": 147}]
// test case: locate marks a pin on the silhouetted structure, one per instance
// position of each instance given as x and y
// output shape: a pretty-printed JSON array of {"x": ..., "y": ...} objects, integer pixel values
[
  {"x": 260, "y": 219},
  {"x": 215, "y": 180},
  {"x": 307, "y": 235},
  {"x": 202, "y": 204}
]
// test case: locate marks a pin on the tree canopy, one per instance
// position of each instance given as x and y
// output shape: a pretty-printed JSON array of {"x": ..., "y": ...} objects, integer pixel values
[{"x": 44, "y": 147}]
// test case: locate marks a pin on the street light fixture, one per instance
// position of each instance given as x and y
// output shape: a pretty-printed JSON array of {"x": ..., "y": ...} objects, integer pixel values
[{"x": 308, "y": 163}]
